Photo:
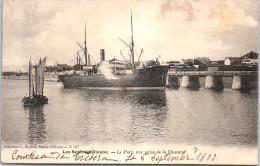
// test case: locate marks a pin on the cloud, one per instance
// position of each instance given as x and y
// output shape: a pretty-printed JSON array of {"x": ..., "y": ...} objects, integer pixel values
[
  {"x": 173, "y": 29},
  {"x": 183, "y": 6},
  {"x": 214, "y": 29},
  {"x": 228, "y": 17}
]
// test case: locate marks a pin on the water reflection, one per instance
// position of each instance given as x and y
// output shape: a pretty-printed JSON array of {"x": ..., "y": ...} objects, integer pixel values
[
  {"x": 148, "y": 116},
  {"x": 183, "y": 116},
  {"x": 136, "y": 115},
  {"x": 36, "y": 128},
  {"x": 153, "y": 99}
]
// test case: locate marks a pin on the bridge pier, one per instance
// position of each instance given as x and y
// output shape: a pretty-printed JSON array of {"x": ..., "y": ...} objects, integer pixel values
[
  {"x": 190, "y": 82},
  {"x": 241, "y": 83},
  {"x": 214, "y": 82},
  {"x": 173, "y": 82},
  {"x": 242, "y": 80}
]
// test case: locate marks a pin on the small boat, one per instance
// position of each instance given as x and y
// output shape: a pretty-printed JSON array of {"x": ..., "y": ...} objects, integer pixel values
[{"x": 36, "y": 96}]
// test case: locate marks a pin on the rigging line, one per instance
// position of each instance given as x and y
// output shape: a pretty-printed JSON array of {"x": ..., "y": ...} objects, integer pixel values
[
  {"x": 92, "y": 60},
  {"x": 126, "y": 47}
]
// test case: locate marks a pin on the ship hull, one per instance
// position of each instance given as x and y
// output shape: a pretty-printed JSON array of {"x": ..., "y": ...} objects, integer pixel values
[
  {"x": 150, "y": 77},
  {"x": 35, "y": 100}
]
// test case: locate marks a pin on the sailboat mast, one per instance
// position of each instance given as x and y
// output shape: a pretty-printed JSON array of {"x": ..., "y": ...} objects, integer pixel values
[
  {"x": 36, "y": 81},
  {"x": 85, "y": 49},
  {"x": 43, "y": 82},
  {"x": 30, "y": 77},
  {"x": 43, "y": 73},
  {"x": 132, "y": 49}
]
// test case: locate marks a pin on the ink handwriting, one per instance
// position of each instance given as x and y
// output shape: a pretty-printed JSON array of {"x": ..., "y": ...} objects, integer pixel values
[{"x": 160, "y": 157}]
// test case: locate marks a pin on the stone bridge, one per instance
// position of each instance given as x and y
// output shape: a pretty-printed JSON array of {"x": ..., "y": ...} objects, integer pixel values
[{"x": 214, "y": 79}]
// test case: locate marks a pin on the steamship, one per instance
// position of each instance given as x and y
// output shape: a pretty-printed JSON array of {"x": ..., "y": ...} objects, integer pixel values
[{"x": 114, "y": 73}]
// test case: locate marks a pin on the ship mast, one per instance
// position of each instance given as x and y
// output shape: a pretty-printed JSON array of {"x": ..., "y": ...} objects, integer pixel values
[
  {"x": 132, "y": 46},
  {"x": 78, "y": 60},
  {"x": 36, "y": 80},
  {"x": 85, "y": 49},
  {"x": 30, "y": 73}
]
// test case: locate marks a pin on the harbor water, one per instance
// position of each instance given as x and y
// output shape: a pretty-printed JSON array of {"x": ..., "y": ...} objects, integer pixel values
[{"x": 85, "y": 116}]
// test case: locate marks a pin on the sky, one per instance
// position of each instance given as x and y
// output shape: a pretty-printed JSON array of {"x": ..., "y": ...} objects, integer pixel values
[{"x": 171, "y": 29}]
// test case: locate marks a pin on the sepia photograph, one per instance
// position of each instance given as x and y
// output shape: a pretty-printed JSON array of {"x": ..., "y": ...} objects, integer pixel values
[{"x": 129, "y": 82}]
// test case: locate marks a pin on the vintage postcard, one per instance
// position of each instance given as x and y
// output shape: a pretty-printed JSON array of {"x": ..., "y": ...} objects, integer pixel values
[{"x": 129, "y": 82}]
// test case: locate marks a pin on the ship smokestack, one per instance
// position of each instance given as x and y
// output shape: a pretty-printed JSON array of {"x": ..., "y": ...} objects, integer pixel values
[
  {"x": 102, "y": 55},
  {"x": 77, "y": 60},
  {"x": 88, "y": 60}
]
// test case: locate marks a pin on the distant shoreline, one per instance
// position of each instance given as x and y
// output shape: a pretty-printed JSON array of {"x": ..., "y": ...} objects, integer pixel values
[{"x": 49, "y": 78}]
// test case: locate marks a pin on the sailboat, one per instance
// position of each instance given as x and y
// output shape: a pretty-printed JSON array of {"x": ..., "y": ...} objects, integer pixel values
[{"x": 36, "y": 86}]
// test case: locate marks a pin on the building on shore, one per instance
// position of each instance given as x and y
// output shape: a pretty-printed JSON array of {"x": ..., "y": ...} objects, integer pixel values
[
  {"x": 187, "y": 62},
  {"x": 233, "y": 60},
  {"x": 250, "y": 58},
  {"x": 201, "y": 60},
  {"x": 174, "y": 63},
  {"x": 8, "y": 73}
]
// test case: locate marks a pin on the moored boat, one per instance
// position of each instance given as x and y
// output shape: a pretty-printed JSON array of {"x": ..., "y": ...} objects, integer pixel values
[
  {"x": 36, "y": 87},
  {"x": 115, "y": 75}
]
